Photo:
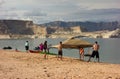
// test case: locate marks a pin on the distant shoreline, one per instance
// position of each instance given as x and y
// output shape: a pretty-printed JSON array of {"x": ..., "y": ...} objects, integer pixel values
[{"x": 96, "y": 34}]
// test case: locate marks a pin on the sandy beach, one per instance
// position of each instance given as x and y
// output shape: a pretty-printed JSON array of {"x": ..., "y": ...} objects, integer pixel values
[{"x": 21, "y": 65}]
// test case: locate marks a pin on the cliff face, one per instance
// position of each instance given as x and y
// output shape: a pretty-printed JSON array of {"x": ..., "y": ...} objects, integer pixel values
[
  {"x": 75, "y": 29},
  {"x": 90, "y": 26},
  {"x": 3, "y": 28},
  {"x": 16, "y": 27},
  {"x": 21, "y": 27},
  {"x": 39, "y": 30}
]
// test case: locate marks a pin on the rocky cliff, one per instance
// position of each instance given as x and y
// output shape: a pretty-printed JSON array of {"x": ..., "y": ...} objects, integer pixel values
[
  {"x": 16, "y": 27},
  {"x": 21, "y": 28},
  {"x": 89, "y": 26}
]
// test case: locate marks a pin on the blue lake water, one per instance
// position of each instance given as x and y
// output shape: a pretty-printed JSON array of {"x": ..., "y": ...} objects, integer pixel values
[{"x": 109, "y": 48}]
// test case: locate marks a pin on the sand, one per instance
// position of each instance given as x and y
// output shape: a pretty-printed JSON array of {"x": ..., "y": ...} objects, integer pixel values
[{"x": 21, "y": 65}]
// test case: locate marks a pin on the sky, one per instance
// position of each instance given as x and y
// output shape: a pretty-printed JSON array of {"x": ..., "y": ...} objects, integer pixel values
[{"x": 44, "y": 11}]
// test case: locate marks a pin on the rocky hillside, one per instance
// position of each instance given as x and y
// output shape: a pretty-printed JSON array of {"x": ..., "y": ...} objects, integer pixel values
[
  {"x": 20, "y": 27},
  {"x": 89, "y": 26},
  {"x": 16, "y": 27}
]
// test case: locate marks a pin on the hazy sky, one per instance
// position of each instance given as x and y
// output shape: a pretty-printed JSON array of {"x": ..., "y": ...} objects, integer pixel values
[{"x": 41, "y": 11}]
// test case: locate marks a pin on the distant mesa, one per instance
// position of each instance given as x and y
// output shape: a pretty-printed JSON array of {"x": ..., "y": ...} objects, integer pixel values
[{"x": 28, "y": 29}]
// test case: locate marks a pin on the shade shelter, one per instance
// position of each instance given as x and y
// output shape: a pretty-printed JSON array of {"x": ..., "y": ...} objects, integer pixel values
[{"x": 75, "y": 44}]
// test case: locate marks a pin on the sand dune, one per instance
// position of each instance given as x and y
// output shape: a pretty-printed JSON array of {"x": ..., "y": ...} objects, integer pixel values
[{"x": 21, "y": 65}]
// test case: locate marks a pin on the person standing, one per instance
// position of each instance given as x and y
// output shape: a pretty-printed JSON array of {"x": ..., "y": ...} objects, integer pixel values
[
  {"x": 60, "y": 50},
  {"x": 41, "y": 47},
  {"x": 45, "y": 49},
  {"x": 81, "y": 51},
  {"x": 95, "y": 51},
  {"x": 27, "y": 46}
]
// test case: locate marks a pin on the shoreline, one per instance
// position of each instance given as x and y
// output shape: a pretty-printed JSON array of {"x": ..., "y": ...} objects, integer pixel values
[
  {"x": 95, "y": 34},
  {"x": 21, "y": 65}
]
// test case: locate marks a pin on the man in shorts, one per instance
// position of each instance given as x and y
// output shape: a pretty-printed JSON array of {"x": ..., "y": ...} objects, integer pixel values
[
  {"x": 60, "y": 50},
  {"x": 45, "y": 50},
  {"x": 95, "y": 51}
]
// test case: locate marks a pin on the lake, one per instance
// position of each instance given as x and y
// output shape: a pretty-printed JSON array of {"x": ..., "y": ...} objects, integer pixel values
[{"x": 109, "y": 48}]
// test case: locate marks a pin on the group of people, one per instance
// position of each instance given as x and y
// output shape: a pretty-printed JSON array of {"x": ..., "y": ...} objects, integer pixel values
[
  {"x": 95, "y": 52},
  {"x": 42, "y": 47},
  {"x": 81, "y": 51},
  {"x": 60, "y": 53}
]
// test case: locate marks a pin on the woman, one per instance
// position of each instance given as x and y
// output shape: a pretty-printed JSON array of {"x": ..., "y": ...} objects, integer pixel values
[{"x": 41, "y": 46}]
